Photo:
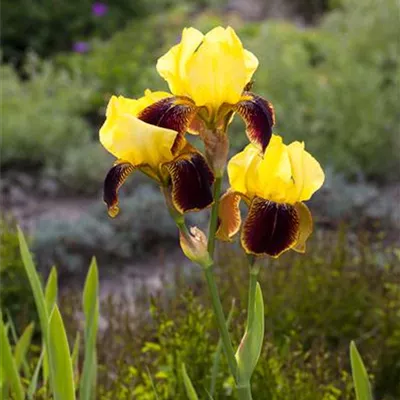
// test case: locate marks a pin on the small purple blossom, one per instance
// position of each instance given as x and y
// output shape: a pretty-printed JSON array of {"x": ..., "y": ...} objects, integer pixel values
[
  {"x": 80, "y": 47},
  {"x": 99, "y": 9}
]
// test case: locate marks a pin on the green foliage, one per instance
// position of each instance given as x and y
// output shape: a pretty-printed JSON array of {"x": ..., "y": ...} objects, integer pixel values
[
  {"x": 15, "y": 296},
  {"x": 55, "y": 361},
  {"x": 60, "y": 25},
  {"x": 42, "y": 116},
  {"x": 314, "y": 306},
  {"x": 59, "y": 358},
  {"x": 360, "y": 375}
]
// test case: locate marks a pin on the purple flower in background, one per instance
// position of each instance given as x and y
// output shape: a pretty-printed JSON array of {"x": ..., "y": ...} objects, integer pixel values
[
  {"x": 99, "y": 9},
  {"x": 80, "y": 47}
]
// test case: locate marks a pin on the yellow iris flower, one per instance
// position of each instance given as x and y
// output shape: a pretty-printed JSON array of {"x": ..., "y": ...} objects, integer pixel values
[
  {"x": 211, "y": 69},
  {"x": 211, "y": 74},
  {"x": 274, "y": 186},
  {"x": 160, "y": 152}
]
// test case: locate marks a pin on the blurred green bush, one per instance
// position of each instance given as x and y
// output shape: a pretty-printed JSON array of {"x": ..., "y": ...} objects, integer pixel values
[
  {"x": 42, "y": 116},
  {"x": 334, "y": 86}
]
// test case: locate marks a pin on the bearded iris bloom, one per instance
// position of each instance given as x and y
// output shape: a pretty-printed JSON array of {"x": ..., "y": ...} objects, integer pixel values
[
  {"x": 274, "y": 186},
  {"x": 155, "y": 147},
  {"x": 211, "y": 75}
]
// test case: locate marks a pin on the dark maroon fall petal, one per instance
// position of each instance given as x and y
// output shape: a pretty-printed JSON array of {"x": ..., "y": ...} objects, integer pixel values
[
  {"x": 270, "y": 228},
  {"x": 259, "y": 116},
  {"x": 114, "y": 180},
  {"x": 191, "y": 181}
]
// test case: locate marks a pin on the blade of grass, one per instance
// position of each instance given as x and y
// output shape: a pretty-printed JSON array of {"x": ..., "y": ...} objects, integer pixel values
[
  {"x": 60, "y": 359},
  {"x": 217, "y": 354},
  {"x": 360, "y": 375},
  {"x": 36, "y": 285},
  {"x": 51, "y": 290},
  {"x": 33, "y": 383},
  {"x": 75, "y": 357},
  {"x": 190, "y": 391},
  {"x": 38, "y": 295},
  {"x": 22, "y": 346},
  {"x": 9, "y": 367},
  {"x": 15, "y": 340},
  {"x": 91, "y": 311}
]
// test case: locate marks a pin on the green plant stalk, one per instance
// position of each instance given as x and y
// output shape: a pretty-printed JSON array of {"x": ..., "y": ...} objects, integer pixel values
[
  {"x": 215, "y": 299},
  {"x": 219, "y": 315}
]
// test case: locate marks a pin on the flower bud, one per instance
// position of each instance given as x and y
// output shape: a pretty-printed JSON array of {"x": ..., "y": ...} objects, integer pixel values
[{"x": 194, "y": 246}]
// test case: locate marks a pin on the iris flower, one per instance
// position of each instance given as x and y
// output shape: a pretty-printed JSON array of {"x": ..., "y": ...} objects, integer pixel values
[
  {"x": 211, "y": 75},
  {"x": 274, "y": 186},
  {"x": 155, "y": 147}
]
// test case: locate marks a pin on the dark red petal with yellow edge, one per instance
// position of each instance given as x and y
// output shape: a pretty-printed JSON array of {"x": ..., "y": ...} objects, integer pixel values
[
  {"x": 229, "y": 218},
  {"x": 259, "y": 116},
  {"x": 270, "y": 228},
  {"x": 305, "y": 229},
  {"x": 191, "y": 181},
  {"x": 175, "y": 113},
  {"x": 114, "y": 180}
]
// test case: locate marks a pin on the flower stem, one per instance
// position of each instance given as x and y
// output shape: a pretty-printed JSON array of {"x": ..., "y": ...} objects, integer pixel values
[
  {"x": 244, "y": 392},
  {"x": 219, "y": 315},
  {"x": 214, "y": 216},
  {"x": 212, "y": 287}
]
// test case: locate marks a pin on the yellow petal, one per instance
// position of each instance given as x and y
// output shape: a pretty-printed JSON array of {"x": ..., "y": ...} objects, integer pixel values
[
  {"x": 130, "y": 139},
  {"x": 172, "y": 65},
  {"x": 275, "y": 172},
  {"x": 217, "y": 72},
  {"x": 251, "y": 64},
  {"x": 307, "y": 173},
  {"x": 305, "y": 227},
  {"x": 211, "y": 69},
  {"x": 243, "y": 171}
]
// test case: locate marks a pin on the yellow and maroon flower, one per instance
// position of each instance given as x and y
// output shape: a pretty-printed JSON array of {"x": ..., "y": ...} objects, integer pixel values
[
  {"x": 274, "y": 186},
  {"x": 143, "y": 135},
  {"x": 210, "y": 74}
]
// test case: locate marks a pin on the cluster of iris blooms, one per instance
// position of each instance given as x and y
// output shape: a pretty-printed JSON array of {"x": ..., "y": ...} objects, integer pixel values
[{"x": 209, "y": 77}]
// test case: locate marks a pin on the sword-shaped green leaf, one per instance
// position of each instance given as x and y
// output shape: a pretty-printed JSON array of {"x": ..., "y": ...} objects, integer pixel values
[
  {"x": 190, "y": 391},
  {"x": 22, "y": 346},
  {"x": 60, "y": 359},
  {"x": 51, "y": 290},
  {"x": 9, "y": 371},
  {"x": 91, "y": 311},
  {"x": 360, "y": 375}
]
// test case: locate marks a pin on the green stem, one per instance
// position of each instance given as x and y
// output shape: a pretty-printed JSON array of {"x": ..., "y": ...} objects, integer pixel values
[
  {"x": 219, "y": 315},
  {"x": 214, "y": 216},
  {"x": 244, "y": 392},
  {"x": 212, "y": 287}
]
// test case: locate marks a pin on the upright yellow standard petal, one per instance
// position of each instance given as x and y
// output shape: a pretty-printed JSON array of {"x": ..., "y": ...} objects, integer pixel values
[
  {"x": 172, "y": 65},
  {"x": 211, "y": 69},
  {"x": 285, "y": 174},
  {"x": 243, "y": 171},
  {"x": 130, "y": 139},
  {"x": 307, "y": 173}
]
